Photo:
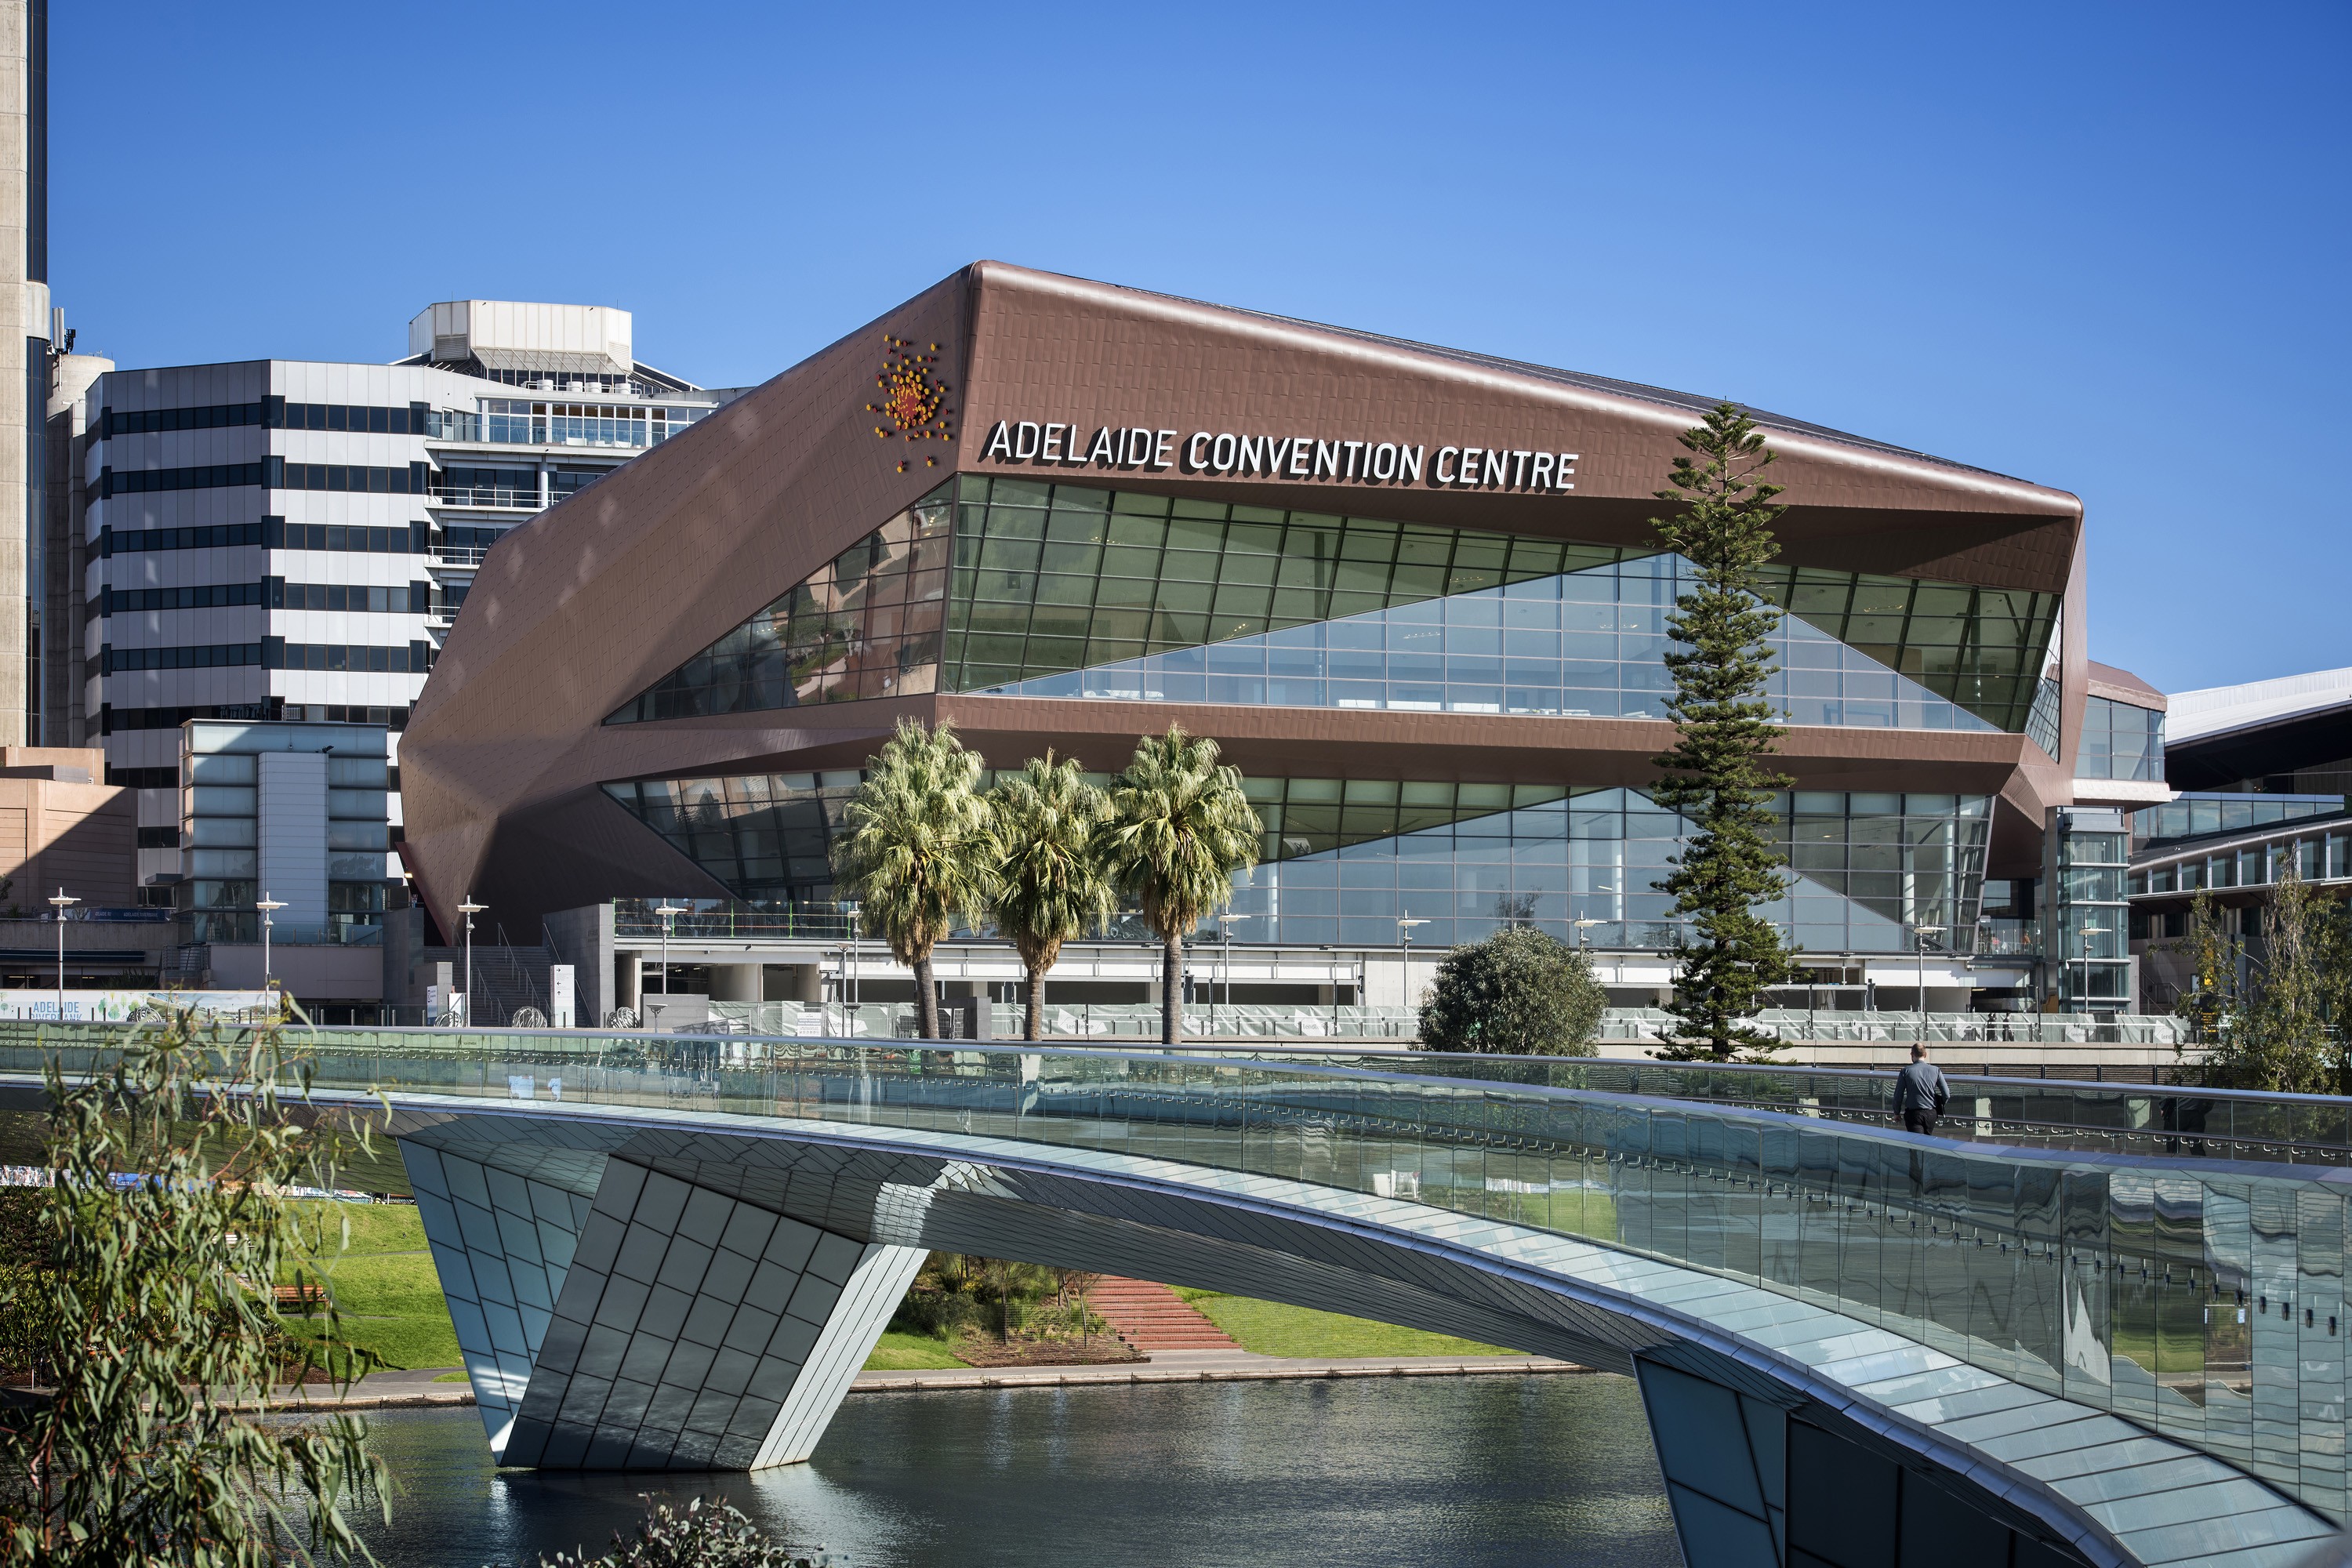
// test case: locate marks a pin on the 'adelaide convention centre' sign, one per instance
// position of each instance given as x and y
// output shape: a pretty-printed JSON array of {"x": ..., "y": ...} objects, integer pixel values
[{"x": 1046, "y": 444}]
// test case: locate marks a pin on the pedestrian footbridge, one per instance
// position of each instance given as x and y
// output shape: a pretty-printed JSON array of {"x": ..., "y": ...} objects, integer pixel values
[{"x": 2104, "y": 1326}]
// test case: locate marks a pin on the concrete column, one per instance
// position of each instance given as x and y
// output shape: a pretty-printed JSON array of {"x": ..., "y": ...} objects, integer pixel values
[
  {"x": 628, "y": 980},
  {"x": 803, "y": 983},
  {"x": 735, "y": 983}
]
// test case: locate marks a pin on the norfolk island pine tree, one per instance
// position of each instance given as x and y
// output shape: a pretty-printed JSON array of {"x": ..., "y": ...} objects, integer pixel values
[{"x": 1715, "y": 776}]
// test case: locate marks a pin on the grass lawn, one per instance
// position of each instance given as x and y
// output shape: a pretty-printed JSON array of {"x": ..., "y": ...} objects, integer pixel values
[
  {"x": 1269, "y": 1328},
  {"x": 909, "y": 1353},
  {"x": 384, "y": 1283}
]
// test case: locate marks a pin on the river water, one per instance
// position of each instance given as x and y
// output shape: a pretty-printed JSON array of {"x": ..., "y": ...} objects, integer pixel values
[{"x": 1460, "y": 1472}]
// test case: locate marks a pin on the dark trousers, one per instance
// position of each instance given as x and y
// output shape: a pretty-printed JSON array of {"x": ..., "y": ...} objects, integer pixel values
[{"x": 1920, "y": 1122}]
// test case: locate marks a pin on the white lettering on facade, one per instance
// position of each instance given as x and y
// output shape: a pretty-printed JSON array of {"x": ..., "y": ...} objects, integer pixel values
[{"x": 1067, "y": 445}]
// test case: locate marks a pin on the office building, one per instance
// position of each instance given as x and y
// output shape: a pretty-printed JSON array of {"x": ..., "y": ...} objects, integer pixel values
[
  {"x": 279, "y": 540},
  {"x": 1413, "y": 592},
  {"x": 2264, "y": 770}
]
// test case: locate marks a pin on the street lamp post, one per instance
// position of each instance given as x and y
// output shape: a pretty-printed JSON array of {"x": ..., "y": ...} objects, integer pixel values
[
  {"x": 268, "y": 906},
  {"x": 1920, "y": 940},
  {"x": 60, "y": 903},
  {"x": 1224, "y": 930},
  {"x": 1404, "y": 941},
  {"x": 469, "y": 909},
  {"x": 668, "y": 913}
]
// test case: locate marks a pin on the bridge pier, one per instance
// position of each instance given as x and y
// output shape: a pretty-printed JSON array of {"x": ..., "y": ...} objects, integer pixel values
[{"x": 614, "y": 1317}]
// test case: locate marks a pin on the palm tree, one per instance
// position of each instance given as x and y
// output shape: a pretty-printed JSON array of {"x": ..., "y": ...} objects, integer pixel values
[
  {"x": 919, "y": 850},
  {"x": 1179, "y": 827},
  {"x": 1051, "y": 882}
]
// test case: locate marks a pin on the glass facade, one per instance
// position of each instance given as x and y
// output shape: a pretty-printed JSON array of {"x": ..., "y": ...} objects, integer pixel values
[
  {"x": 2120, "y": 742},
  {"x": 2042, "y": 722},
  {"x": 1344, "y": 860},
  {"x": 1052, "y": 579},
  {"x": 2088, "y": 850},
  {"x": 1587, "y": 643},
  {"x": 867, "y": 624},
  {"x": 1063, "y": 589},
  {"x": 2194, "y": 815},
  {"x": 766, "y": 835}
]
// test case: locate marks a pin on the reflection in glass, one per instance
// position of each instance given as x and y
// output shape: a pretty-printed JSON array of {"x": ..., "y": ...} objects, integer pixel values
[
  {"x": 864, "y": 624},
  {"x": 1056, "y": 578}
]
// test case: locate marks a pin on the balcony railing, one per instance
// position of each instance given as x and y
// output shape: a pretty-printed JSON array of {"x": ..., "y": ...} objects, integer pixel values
[
  {"x": 459, "y": 554},
  {"x": 555, "y": 430},
  {"x": 465, "y": 495}
]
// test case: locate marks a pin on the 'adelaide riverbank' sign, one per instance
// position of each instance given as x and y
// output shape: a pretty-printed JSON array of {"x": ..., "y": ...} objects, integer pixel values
[{"x": 1047, "y": 444}]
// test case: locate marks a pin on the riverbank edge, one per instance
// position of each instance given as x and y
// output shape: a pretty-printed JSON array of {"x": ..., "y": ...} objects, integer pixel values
[{"x": 940, "y": 1380}]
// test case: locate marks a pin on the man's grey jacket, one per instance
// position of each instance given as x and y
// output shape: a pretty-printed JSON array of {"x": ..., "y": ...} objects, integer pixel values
[{"x": 1921, "y": 1087}]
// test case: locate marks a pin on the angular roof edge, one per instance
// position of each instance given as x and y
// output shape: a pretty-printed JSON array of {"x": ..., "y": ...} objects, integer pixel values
[{"x": 1656, "y": 397}]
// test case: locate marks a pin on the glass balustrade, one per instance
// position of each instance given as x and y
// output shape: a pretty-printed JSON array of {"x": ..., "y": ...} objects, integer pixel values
[{"x": 2202, "y": 1299}]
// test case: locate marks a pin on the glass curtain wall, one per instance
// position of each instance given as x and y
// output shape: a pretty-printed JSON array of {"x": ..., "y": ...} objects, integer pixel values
[
  {"x": 1343, "y": 861},
  {"x": 867, "y": 624},
  {"x": 1060, "y": 590},
  {"x": 2088, "y": 850},
  {"x": 1052, "y": 579}
]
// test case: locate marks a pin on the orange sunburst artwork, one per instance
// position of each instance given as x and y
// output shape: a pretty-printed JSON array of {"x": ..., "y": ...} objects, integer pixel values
[{"x": 914, "y": 405}]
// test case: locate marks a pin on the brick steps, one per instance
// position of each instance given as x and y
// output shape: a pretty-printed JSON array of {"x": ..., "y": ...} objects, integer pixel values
[{"x": 1151, "y": 1317}]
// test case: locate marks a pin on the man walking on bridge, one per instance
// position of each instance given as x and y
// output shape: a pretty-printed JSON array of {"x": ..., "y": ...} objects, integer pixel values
[{"x": 1921, "y": 1093}]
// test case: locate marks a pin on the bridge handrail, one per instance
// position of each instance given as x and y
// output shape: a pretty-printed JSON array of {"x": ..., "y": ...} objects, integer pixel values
[{"x": 2161, "y": 1289}]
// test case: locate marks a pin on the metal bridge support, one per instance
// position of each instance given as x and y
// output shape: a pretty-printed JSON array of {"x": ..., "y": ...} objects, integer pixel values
[{"x": 616, "y": 1318}]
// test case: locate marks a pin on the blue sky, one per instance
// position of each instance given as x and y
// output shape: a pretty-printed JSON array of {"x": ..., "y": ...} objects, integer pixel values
[{"x": 2099, "y": 246}]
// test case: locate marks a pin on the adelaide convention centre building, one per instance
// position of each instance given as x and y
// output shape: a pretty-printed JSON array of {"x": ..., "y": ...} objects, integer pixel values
[{"x": 1413, "y": 592}]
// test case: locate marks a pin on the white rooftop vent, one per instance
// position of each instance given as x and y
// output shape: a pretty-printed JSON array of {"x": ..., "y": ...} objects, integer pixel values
[{"x": 512, "y": 335}]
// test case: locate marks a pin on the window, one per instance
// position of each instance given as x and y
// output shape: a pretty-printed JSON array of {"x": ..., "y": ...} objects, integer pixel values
[
  {"x": 279, "y": 535},
  {"x": 404, "y": 599},
  {"x": 147, "y": 482},
  {"x": 204, "y": 596},
  {"x": 112, "y": 542},
  {"x": 2120, "y": 742},
  {"x": 564, "y": 482},
  {"x": 476, "y": 486},
  {"x": 154, "y": 421},
  {"x": 413, "y": 658},
  {"x": 115, "y": 661},
  {"x": 410, "y": 480},
  {"x": 158, "y": 837},
  {"x": 413, "y": 420}
]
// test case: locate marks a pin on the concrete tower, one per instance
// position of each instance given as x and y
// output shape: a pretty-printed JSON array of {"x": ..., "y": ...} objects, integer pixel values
[{"x": 24, "y": 357}]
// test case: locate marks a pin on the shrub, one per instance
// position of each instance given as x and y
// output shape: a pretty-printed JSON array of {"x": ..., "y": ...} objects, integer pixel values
[{"x": 1518, "y": 992}]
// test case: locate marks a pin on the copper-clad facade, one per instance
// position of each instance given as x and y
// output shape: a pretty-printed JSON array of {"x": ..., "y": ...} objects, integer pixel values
[{"x": 547, "y": 702}]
